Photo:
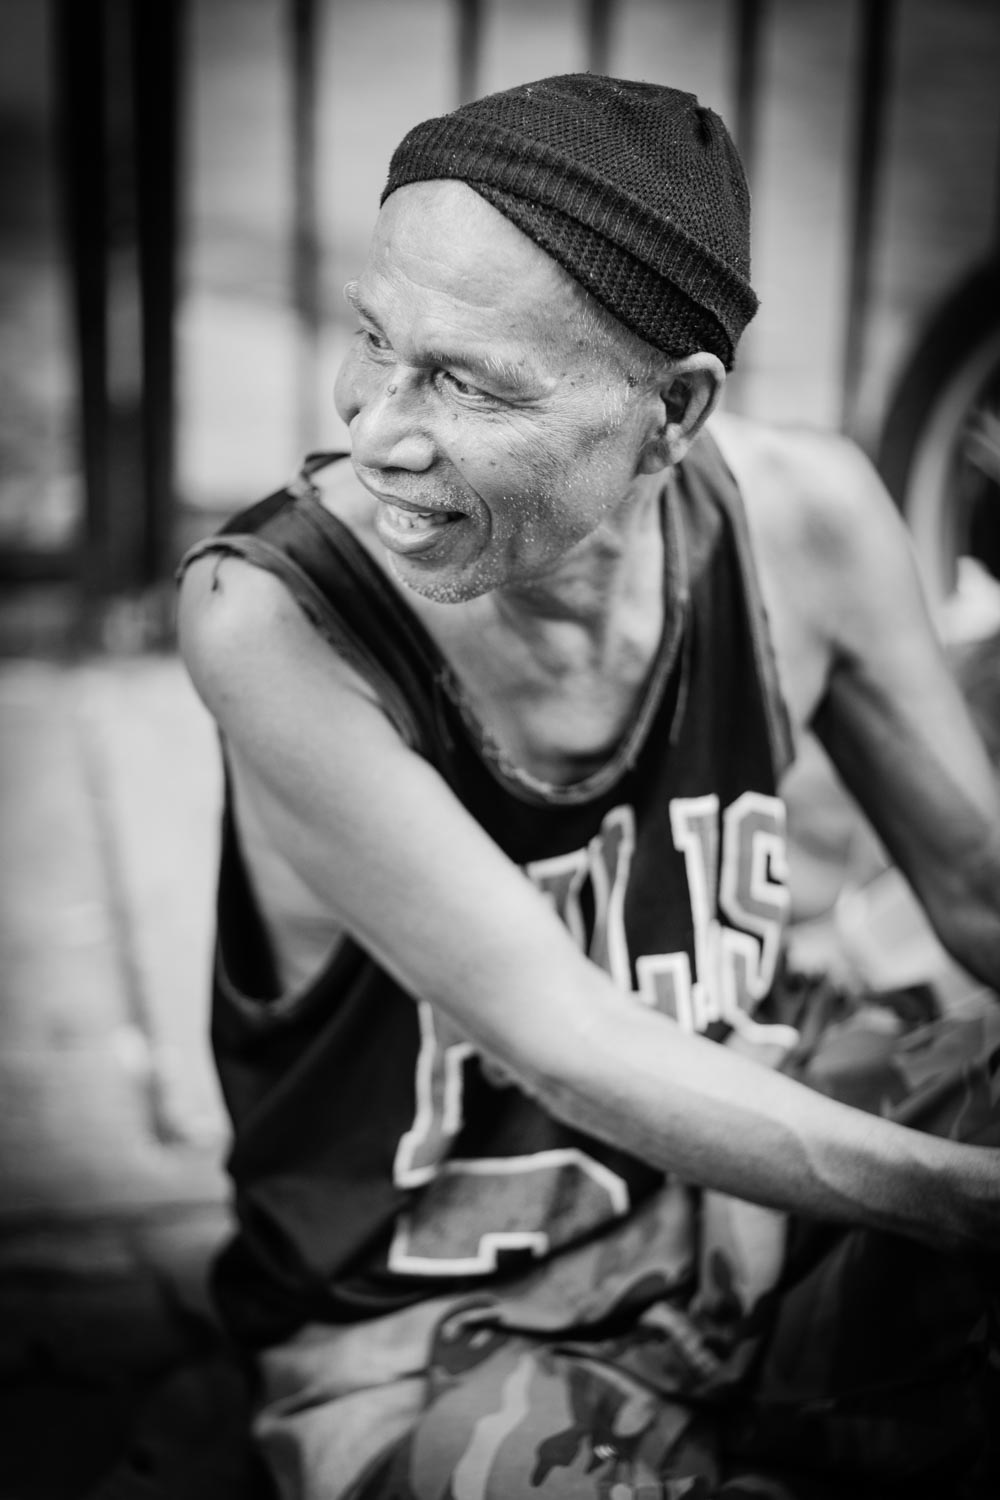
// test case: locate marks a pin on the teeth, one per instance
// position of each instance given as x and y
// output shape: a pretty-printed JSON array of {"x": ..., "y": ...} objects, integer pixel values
[{"x": 410, "y": 519}]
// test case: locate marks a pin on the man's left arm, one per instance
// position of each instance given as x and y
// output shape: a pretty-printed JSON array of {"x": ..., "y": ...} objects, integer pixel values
[{"x": 897, "y": 728}]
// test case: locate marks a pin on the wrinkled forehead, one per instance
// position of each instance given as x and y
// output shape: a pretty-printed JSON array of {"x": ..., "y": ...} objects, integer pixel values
[{"x": 445, "y": 238}]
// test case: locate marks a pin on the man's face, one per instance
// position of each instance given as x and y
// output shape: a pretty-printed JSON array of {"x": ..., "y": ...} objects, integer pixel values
[{"x": 493, "y": 436}]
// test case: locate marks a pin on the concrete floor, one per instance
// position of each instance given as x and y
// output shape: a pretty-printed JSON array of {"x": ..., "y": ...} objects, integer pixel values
[{"x": 112, "y": 1192}]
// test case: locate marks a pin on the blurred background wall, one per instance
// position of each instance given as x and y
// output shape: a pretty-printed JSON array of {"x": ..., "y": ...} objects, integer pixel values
[{"x": 871, "y": 130}]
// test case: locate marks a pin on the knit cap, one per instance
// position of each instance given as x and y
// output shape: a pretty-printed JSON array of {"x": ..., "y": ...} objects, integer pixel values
[{"x": 634, "y": 188}]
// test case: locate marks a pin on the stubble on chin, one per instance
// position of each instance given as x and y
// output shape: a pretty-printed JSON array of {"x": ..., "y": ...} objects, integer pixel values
[{"x": 442, "y": 590}]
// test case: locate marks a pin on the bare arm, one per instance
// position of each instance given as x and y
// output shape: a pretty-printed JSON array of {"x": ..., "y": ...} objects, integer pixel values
[
  {"x": 377, "y": 836},
  {"x": 896, "y": 726}
]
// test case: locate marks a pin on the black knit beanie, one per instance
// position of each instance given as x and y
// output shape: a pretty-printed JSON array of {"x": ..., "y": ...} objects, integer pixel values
[{"x": 636, "y": 189}]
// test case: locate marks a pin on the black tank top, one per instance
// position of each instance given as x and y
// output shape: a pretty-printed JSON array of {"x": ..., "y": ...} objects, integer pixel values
[{"x": 376, "y": 1160}]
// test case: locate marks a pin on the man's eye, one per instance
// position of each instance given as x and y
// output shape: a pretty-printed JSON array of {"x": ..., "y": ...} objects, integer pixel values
[
  {"x": 463, "y": 388},
  {"x": 374, "y": 340}
]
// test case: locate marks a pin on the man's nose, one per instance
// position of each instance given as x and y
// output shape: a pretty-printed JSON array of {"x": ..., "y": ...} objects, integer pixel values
[{"x": 387, "y": 430}]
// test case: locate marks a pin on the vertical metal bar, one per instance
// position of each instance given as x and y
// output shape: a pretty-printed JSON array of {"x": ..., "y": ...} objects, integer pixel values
[
  {"x": 126, "y": 498},
  {"x": 306, "y": 296},
  {"x": 156, "y": 45},
  {"x": 78, "y": 34},
  {"x": 468, "y": 49},
  {"x": 117, "y": 69},
  {"x": 876, "y": 22},
  {"x": 747, "y": 20},
  {"x": 598, "y": 29},
  {"x": 748, "y": 24}
]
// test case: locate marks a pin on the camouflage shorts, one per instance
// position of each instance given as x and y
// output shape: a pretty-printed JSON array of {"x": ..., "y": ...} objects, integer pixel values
[{"x": 869, "y": 1370}]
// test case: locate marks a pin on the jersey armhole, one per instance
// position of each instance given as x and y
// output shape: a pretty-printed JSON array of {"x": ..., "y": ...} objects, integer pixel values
[{"x": 779, "y": 721}]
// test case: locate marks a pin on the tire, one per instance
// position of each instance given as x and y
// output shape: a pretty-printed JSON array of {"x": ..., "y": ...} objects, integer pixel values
[{"x": 942, "y": 432}]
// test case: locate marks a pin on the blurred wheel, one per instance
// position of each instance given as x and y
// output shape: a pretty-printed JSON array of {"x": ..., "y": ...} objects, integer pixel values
[{"x": 940, "y": 452}]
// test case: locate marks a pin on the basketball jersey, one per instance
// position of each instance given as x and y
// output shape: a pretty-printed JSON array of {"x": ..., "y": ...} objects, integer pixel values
[{"x": 376, "y": 1158}]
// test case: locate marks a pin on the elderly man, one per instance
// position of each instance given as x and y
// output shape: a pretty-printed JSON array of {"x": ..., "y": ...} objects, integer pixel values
[{"x": 506, "y": 699}]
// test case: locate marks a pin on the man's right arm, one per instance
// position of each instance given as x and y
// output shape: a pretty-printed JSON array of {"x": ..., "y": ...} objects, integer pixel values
[{"x": 376, "y": 836}]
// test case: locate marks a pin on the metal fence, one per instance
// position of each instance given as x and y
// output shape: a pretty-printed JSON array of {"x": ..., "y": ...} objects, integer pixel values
[{"x": 120, "y": 88}]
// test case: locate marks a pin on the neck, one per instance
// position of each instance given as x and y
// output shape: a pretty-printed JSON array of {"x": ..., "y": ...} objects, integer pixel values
[
  {"x": 613, "y": 576},
  {"x": 554, "y": 669}
]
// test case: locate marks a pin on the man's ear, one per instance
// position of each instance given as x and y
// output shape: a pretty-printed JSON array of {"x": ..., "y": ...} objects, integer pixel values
[{"x": 687, "y": 394}]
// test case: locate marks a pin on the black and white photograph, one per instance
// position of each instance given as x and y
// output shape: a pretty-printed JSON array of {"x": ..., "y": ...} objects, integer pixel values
[{"x": 500, "y": 750}]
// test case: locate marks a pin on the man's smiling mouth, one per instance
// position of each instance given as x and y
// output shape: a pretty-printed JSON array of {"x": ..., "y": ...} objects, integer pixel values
[
  {"x": 403, "y": 528},
  {"x": 420, "y": 520}
]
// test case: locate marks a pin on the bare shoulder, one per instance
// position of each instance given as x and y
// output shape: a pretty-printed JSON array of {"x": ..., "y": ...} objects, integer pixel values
[
  {"x": 832, "y": 553},
  {"x": 809, "y": 494},
  {"x": 241, "y": 634},
  {"x": 236, "y": 619}
]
